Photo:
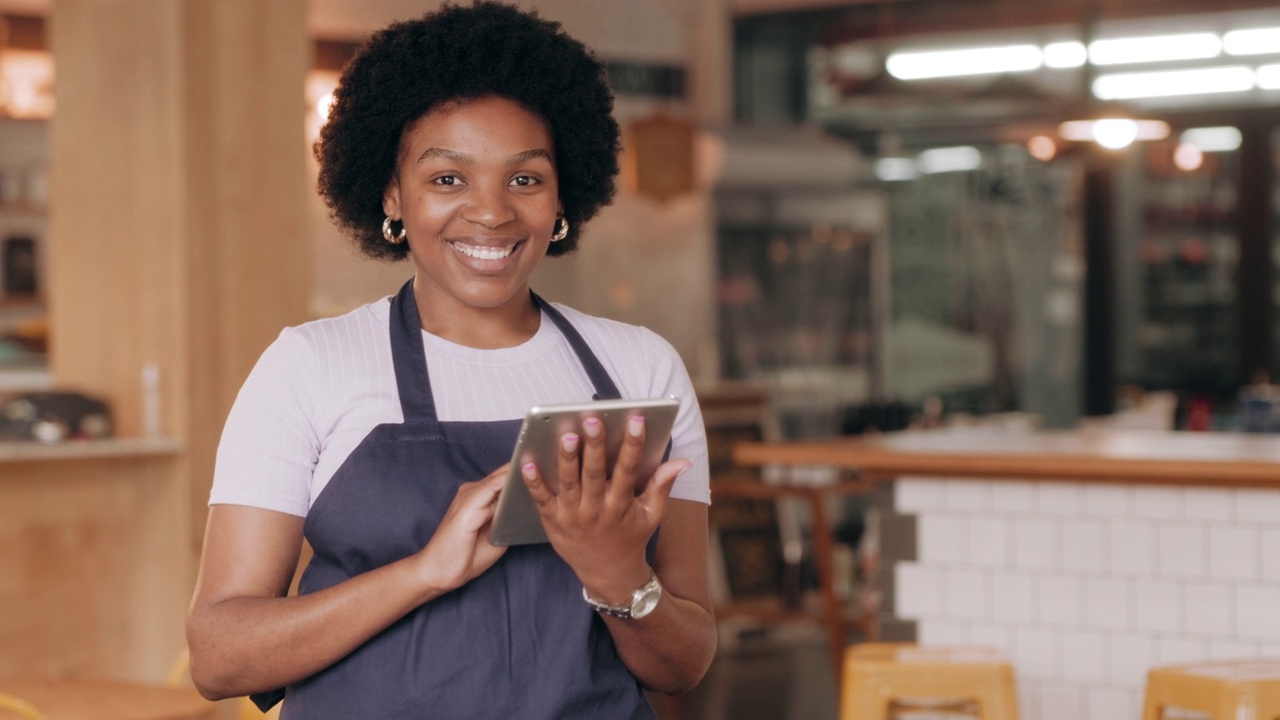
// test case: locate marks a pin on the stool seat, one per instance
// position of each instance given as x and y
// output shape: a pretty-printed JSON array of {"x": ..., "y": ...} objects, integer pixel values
[
  {"x": 108, "y": 700},
  {"x": 881, "y": 679},
  {"x": 1223, "y": 689}
]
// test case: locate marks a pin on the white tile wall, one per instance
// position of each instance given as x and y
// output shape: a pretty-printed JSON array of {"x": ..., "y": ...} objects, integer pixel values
[{"x": 1087, "y": 586}]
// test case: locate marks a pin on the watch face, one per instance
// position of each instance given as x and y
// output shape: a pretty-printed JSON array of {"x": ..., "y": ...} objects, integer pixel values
[{"x": 647, "y": 601}]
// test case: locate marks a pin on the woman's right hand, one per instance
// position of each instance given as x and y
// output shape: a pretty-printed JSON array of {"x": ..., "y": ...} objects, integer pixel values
[{"x": 460, "y": 550}]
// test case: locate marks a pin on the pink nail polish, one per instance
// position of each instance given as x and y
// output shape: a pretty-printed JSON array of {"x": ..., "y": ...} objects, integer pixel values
[
  {"x": 591, "y": 426},
  {"x": 530, "y": 470},
  {"x": 636, "y": 425},
  {"x": 569, "y": 442}
]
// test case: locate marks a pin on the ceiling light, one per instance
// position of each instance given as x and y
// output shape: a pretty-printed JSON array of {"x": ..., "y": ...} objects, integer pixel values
[
  {"x": 1165, "y": 83},
  {"x": 1255, "y": 41},
  {"x": 1188, "y": 157},
  {"x": 1212, "y": 139},
  {"x": 896, "y": 169},
  {"x": 971, "y": 61},
  {"x": 1269, "y": 77},
  {"x": 1065, "y": 54},
  {"x": 1042, "y": 147},
  {"x": 949, "y": 159},
  {"x": 1113, "y": 132},
  {"x": 1155, "y": 48}
]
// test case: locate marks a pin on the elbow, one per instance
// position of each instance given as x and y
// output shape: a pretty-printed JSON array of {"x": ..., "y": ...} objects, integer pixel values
[{"x": 211, "y": 684}]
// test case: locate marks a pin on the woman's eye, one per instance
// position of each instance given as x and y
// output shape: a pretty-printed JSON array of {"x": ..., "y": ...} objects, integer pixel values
[
  {"x": 446, "y": 180},
  {"x": 524, "y": 180}
]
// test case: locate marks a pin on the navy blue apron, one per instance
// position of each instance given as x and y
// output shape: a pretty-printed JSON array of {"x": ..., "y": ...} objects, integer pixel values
[{"x": 515, "y": 642}]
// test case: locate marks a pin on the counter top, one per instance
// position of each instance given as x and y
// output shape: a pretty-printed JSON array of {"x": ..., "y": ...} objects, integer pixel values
[
  {"x": 88, "y": 449},
  {"x": 1090, "y": 455}
]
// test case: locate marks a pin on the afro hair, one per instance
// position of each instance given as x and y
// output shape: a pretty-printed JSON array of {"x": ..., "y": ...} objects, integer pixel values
[{"x": 410, "y": 68}]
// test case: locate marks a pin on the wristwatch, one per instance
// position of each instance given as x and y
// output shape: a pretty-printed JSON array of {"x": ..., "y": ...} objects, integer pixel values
[{"x": 642, "y": 601}]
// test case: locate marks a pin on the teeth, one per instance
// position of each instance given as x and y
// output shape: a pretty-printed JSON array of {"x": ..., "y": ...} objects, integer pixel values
[{"x": 483, "y": 253}]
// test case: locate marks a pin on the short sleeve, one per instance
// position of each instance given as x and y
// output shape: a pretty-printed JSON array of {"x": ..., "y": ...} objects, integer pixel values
[
  {"x": 269, "y": 445},
  {"x": 688, "y": 437}
]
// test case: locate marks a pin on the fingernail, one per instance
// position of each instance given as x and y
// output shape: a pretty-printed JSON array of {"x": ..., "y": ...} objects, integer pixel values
[
  {"x": 592, "y": 427},
  {"x": 569, "y": 442},
  {"x": 636, "y": 425},
  {"x": 529, "y": 470},
  {"x": 687, "y": 464}
]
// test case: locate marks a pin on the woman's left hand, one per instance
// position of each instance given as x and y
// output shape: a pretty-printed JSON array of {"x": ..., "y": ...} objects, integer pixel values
[{"x": 598, "y": 522}]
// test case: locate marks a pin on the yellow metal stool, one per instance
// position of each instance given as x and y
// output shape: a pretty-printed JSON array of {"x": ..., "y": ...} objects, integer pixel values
[
  {"x": 883, "y": 679},
  {"x": 1224, "y": 689}
]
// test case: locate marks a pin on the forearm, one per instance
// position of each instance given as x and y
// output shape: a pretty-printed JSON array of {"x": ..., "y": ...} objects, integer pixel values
[
  {"x": 670, "y": 650},
  {"x": 243, "y": 645}
]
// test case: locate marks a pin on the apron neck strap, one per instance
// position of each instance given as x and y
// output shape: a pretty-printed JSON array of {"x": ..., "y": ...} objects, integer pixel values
[{"x": 605, "y": 389}]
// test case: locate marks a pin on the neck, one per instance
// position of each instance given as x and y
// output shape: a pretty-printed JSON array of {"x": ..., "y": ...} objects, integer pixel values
[{"x": 486, "y": 328}]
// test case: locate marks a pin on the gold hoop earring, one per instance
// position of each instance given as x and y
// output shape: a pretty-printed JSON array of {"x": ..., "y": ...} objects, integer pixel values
[
  {"x": 562, "y": 231},
  {"x": 386, "y": 232}
]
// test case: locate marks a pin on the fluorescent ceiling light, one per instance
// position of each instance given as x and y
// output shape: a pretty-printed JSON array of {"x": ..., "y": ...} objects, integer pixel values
[
  {"x": 1269, "y": 77},
  {"x": 1154, "y": 48},
  {"x": 1212, "y": 139},
  {"x": 1113, "y": 132},
  {"x": 1255, "y": 41},
  {"x": 1065, "y": 54},
  {"x": 1199, "y": 81},
  {"x": 971, "y": 61},
  {"x": 896, "y": 169},
  {"x": 949, "y": 159}
]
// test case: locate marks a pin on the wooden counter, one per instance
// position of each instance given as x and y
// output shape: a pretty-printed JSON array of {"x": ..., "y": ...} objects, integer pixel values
[{"x": 1135, "y": 456}]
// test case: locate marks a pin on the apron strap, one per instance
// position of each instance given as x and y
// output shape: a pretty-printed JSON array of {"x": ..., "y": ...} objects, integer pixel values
[
  {"x": 410, "y": 360},
  {"x": 605, "y": 388}
]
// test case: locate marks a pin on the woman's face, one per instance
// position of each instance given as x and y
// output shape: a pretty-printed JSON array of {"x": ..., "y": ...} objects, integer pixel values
[{"x": 477, "y": 191}]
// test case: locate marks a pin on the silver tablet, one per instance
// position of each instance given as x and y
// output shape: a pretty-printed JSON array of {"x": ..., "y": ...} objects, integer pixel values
[{"x": 516, "y": 520}]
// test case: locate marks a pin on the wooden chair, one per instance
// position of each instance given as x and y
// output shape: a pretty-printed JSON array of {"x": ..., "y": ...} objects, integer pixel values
[
  {"x": 882, "y": 680},
  {"x": 19, "y": 707},
  {"x": 1222, "y": 689}
]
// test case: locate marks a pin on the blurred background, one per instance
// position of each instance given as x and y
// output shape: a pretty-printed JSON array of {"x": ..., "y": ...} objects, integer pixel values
[{"x": 871, "y": 213}]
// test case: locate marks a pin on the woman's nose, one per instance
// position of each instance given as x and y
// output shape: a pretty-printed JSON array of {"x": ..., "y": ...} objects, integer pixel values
[{"x": 489, "y": 207}]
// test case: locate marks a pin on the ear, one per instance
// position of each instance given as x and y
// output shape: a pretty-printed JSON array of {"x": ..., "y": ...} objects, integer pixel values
[{"x": 391, "y": 199}]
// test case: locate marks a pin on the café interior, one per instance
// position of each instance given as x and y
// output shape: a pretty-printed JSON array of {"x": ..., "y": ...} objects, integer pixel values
[{"x": 979, "y": 298}]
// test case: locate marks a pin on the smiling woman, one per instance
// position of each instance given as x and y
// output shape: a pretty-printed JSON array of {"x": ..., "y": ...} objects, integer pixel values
[{"x": 474, "y": 141}]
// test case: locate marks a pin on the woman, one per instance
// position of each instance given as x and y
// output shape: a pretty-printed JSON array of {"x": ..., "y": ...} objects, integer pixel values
[{"x": 473, "y": 141}]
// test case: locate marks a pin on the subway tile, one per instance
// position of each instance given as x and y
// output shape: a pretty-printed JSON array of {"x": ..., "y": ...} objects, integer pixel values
[
  {"x": 1059, "y": 498},
  {"x": 992, "y": 635},
  {"x": 1258, "y": 506},
  {"x": 1109, "y": 703},
  {"x": 1132, "y": 547},
  {"x": 1209, "y": 609},
  {"x": 1084, "y": 546},
  {"x": 1108, "y": 501},
  {"x": 1012, "y": 598},
  {"x": 1108, "y": 603},
  {"x": 1233, "y": 649},
  {"x": 1035, "y": 543},
  {"x": 1270, "y": 552},
  {"x": 1178, "y": 650},
  {"x": 968, "y": 594},
  {"x": 1233, "y": 552},
  {"x": 1157, "y": 606},
  {"x": 940, "y": 632},
  {"x": 1183, "y": 551},
  {"x": 1037, "y": 652},
  {"x": 1084, "y": 657},
  {"x": 916, "y": 494},
  {"x": 1131, "y": 657},
  {"x": 918, "y": 591},
  {"x": 1157, "y": 502},
  {"x": 1258, "y": 612},
  {"x": 967, "y": 494},
  {"x": 1062, "y": 701},
  {"x": 1028, "y": 696},
  {"x": 942, "y": 538},
  {"x": 988, "y": 541},
  {"x": 1012, "y": 497},
  {"x": 1061, "y": 600},
  {"x": 1216, "y": 504}
]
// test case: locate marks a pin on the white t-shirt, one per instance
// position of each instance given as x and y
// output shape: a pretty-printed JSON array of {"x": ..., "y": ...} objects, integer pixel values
[{"x": 321, "y": 387}]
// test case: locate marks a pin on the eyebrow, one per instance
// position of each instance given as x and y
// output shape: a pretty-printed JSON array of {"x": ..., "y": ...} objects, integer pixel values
[{"x": 455, "y": 156}]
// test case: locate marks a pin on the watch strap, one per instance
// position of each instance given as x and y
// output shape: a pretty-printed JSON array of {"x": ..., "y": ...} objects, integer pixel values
[{"x": 626, "y": 612}]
